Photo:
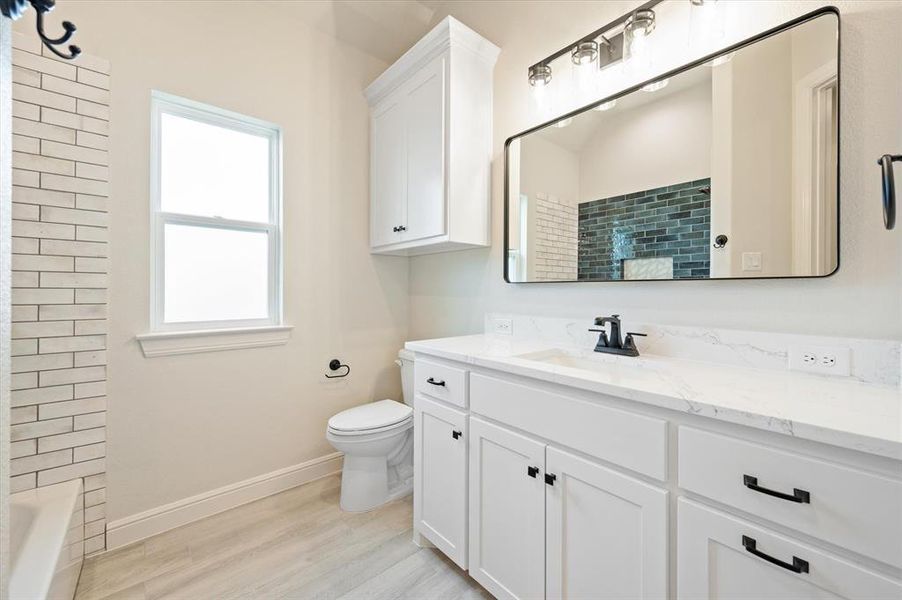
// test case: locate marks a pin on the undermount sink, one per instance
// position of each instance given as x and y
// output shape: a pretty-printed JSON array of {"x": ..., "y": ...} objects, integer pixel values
[{"x": 585, "y": 361}]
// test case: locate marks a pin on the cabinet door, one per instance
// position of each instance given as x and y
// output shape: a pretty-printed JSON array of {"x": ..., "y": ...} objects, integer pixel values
[
  {"x": 440, "y": 472},
  {"x": 425, "y": 108},
  {"x": 388, "y": 171},
  {"x": 607, "y": 533},
  {"x": 507, "y": 511},
  {"x": 723, "y": 557}
]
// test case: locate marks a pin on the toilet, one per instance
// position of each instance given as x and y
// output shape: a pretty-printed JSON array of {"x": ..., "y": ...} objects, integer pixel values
[{"x": 377, "y": 442}]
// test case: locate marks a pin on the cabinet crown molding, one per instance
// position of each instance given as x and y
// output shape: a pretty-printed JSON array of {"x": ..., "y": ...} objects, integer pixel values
[{"x": 449, "y": 33}]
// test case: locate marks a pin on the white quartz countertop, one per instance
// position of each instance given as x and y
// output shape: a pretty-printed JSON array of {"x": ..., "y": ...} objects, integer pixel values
[{"x": 834, "y": 410}]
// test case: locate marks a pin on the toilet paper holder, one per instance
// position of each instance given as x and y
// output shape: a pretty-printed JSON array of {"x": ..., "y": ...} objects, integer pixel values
[{"x": 335, "y": 365}]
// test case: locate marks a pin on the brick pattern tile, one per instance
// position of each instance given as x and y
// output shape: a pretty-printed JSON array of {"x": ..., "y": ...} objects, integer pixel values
[
  {"x": 672, "y": 221},
  {"x": 555, "y": 239},
  {"x": 60, "y": 177}
]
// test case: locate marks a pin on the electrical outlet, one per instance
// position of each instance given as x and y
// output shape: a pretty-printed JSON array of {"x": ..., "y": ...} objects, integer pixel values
[
  {"x": 825, "y": 360},
  {"x": 503, "y": 326}
]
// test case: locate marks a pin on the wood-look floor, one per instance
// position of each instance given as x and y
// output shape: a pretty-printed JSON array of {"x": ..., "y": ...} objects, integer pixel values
[{"x": 296, "y": 544}]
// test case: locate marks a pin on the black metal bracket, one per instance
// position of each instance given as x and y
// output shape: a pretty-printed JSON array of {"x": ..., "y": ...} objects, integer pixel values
[
  {"x": 335, "y": 365},
  {"x": 799, "y": 496},
  {"x": 798, "y": 565},
  {"x": 889, "y": 188},
  {"x": 15, "y": 8}
]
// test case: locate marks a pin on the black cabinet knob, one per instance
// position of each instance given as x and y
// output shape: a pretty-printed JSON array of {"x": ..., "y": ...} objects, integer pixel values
[{"x": 456, "y": 434}]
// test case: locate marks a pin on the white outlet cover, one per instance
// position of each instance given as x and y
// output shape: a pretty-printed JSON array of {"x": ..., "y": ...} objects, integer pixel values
[
  {"x": 842, "y": 367},
  {"x": 503, "y": 326}
]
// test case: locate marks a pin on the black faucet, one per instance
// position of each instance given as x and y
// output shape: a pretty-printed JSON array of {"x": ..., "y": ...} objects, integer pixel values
[{"x": 613, "y": 344}]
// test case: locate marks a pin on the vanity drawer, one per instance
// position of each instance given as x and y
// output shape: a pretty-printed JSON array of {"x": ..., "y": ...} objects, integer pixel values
[
  {"x": 627, "y": 439},
  {"x": 441, "y": 382},
  {"x": 850, "y": 508}
]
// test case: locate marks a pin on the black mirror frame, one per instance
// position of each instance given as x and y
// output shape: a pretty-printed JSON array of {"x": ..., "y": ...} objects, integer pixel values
[{"x": 826, "y": 10}]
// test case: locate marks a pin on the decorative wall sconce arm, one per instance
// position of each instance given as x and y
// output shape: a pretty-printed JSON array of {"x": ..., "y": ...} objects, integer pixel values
[{"x": 14, "y": 9}]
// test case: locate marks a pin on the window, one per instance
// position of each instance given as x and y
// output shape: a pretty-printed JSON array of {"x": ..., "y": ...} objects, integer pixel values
[{"x": 216, "y": 206}]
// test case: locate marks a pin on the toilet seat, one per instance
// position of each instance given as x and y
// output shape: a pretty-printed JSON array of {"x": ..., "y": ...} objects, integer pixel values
[{"x": 384, "y": 415}]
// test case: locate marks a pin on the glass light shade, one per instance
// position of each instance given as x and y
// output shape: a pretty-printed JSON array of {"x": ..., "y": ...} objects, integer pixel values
[
  {"x": 654, "y": 86},
  {"x": 606, "y": 105},
  {"x": 563, "y": 123},
  {"x": 637, "y": 59},
  {"x": 706, "y": 25}
]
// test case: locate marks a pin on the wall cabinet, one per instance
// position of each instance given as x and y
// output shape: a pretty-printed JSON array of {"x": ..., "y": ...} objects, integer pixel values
[
  {"x": 535, "y": 507},
  {"x": 430, "y": 146}
]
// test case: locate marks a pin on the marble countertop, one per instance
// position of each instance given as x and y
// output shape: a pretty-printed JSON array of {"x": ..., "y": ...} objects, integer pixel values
[{"x": 838, "y": 411}]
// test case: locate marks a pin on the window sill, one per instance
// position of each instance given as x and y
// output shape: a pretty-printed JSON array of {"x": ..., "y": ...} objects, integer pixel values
[{"x": 169, "y": 343}]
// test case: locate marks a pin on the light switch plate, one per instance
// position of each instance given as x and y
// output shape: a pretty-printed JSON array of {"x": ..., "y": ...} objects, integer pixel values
[{"x": 751, "y": 261}]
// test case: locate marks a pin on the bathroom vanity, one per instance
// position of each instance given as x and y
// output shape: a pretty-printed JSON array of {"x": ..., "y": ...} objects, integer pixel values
[{"x": 547, "y": 470}]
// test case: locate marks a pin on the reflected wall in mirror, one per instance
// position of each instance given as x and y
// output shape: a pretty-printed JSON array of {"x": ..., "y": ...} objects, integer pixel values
[{"x": 727, "y": 169}]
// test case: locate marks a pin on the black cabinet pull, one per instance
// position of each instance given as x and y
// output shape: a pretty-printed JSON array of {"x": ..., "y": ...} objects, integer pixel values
[
  {"x": 798, "y": 565},
  {"x": 800, "y": 496},
  {"x": 395, "y": 229},
  {"x": 456, "y": 434},
  {"x": 434, "y": 382},
  {"x": 532, "y": 471},
  {"x": 401, "y": 228},
  {"x": 549, "y": 478},
  {"x": 889, "y": 188}
]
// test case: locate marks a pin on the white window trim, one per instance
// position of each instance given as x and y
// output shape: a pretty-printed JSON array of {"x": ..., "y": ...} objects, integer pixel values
[{"x": 203, "y": 336}]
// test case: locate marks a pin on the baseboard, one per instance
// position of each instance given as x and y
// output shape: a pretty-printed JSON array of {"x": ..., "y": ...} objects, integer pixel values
[{"x": 169, "y": 516}]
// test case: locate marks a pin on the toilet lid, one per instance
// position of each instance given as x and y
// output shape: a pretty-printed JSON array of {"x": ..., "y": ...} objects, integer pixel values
[{"x": 371, "y": 416}]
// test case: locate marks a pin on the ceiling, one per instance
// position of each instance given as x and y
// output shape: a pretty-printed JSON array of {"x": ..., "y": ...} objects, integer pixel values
[{"x": 386, "y": 29}]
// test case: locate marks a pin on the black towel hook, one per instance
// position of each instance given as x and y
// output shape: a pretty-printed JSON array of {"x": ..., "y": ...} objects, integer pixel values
[
  {"x": 889, "y": 188},
  {"x": 335, "y": 365},
  {"x": 14, "y": 9}
]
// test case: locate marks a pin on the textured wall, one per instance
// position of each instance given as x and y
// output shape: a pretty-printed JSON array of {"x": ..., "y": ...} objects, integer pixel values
[
  {"x": 60, "y": 265},
  {"x": 672, "y": 221}
]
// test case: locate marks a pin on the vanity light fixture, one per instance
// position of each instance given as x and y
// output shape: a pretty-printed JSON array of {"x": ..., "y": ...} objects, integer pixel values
[
  {"x": 14, "y": 9},
  {"x": 603, "y": 46},
  {"x": 539, "y": 75},
  {"x": 706, "y": 24},
  {"x": 637, "y": 58},
  {"x": 606, "y": 105},
  {"x": 584, "y": 53},
  {"x": 654, "y": 86}
]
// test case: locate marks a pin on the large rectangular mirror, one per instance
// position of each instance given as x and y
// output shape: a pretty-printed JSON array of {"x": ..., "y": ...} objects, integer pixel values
[{"x": 727, "y": 168}]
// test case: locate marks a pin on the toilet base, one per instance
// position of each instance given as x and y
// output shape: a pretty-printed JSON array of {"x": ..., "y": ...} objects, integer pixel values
[{"x": 365, "y": 484}]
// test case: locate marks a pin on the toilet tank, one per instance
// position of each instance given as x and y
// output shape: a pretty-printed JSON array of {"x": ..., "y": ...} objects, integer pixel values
[{"x": 405, "y": 361}]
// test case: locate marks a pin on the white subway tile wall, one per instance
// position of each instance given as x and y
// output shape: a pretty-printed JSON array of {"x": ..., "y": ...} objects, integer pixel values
[
  {"x": 60, "y": 266},
  {"x": 556, "y": 235}
]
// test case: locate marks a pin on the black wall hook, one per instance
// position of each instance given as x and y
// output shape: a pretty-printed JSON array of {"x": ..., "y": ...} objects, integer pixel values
[
  {"x": 15, "y": 8},
  {"x": 335, "y": 365}
]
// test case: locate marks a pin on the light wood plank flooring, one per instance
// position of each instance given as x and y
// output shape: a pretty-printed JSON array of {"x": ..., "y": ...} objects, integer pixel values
[{"x": 296, "y": 544}]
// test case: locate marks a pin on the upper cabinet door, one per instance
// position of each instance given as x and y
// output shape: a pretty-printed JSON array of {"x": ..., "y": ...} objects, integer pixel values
[
  {"x": 388, "y": 177},
  {"x": 440, "y": 477},
  {"x": 721, "y": 557},
  {"x": 607, "y": 533},
  {"x": 425, "y": 107},
  {"x": 507, "y": 512}
]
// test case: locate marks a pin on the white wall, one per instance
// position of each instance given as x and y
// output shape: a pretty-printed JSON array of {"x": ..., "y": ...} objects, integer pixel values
[
  {"x": 183, "y": 425},
  {"x": 451, "y": 292},
  {"x": 656, "y": 144}
]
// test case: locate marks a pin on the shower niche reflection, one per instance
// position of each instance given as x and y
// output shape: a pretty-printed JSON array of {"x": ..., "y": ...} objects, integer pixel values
[{"x": 725, "y": 169}]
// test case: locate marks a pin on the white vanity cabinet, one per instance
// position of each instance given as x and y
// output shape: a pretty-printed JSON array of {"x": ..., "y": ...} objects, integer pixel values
[
  {"x": 440, "y": 477},
  {"x": 722, "y": 557},
  {"x": 561, "y": 492},
  {"x": 430, "y": 146}
]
